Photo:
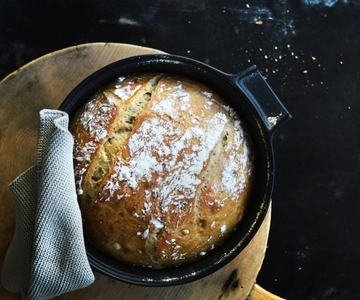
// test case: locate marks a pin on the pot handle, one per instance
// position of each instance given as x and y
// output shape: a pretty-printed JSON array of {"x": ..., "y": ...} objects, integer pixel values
[{"x": 272, "y": 112}]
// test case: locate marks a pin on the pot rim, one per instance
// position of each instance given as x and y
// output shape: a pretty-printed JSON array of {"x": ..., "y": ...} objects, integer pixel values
[{"x": 241, "y": 89}]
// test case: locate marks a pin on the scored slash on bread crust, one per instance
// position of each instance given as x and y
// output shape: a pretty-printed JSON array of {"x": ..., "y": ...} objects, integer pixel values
[{"x": 163, "y": 168}]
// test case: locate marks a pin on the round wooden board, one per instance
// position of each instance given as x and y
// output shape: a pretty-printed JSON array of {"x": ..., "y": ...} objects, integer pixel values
[{"x": 44, "y": 83}]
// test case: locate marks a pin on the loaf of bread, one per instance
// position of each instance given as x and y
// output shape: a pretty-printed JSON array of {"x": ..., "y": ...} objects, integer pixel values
[{"x": 163, "y": 169}]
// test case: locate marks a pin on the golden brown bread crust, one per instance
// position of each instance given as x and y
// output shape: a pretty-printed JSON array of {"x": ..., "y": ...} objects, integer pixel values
[{"x": 163, "y": 167}]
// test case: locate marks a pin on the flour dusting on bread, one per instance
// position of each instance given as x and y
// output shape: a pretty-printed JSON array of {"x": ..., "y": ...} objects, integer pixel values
[{"x": 163, "y": 167}]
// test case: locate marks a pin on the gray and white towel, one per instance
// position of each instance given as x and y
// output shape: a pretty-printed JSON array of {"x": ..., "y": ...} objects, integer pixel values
[{"x": 47, "y": 255}]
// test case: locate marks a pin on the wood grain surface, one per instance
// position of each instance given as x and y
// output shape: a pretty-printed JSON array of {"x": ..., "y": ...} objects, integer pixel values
[{"x": 44, "y": 83}]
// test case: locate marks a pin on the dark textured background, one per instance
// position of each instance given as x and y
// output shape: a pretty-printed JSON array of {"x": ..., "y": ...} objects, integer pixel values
[{"x": 309, "y": 52}]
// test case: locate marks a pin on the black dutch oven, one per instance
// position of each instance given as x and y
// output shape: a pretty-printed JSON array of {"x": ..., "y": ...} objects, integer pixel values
[{"x": 262, "y": 112}]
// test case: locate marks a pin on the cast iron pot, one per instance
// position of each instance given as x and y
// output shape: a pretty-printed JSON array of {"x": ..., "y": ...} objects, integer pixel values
[{"x": 259, "y": 108}]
